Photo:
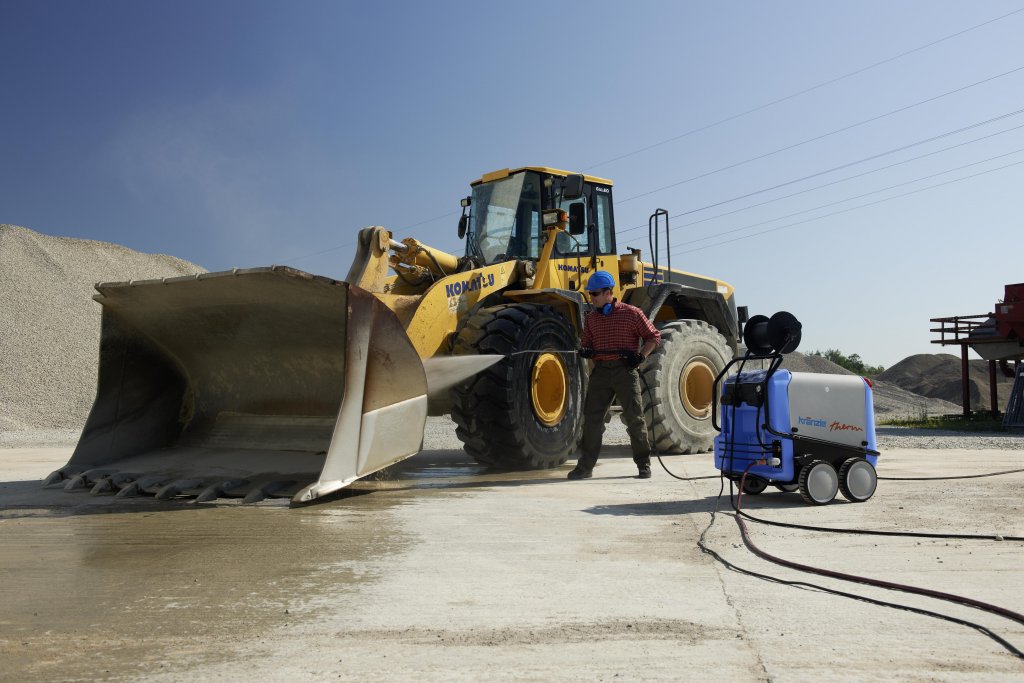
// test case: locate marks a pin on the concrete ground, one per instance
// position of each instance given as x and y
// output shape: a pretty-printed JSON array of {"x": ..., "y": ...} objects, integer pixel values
[{"x": 440, "y": 570}]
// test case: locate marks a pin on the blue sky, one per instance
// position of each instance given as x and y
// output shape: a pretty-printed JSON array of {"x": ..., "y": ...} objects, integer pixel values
[{"x": 249, "y": 133}]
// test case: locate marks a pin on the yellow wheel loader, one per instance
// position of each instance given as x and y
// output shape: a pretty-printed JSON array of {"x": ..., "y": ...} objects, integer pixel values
[{"x": 274, "y": 382}]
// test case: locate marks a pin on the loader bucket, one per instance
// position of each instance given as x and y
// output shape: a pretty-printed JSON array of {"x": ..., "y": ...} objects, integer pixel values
[{"x": 249, "y": 383}]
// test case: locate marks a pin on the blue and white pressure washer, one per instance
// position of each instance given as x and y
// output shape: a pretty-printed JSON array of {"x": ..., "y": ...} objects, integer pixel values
[{"x": 798, "y": 431}]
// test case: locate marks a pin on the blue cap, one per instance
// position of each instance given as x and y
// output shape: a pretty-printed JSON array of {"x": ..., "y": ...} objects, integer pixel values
[{"x": 601, "y": 279}]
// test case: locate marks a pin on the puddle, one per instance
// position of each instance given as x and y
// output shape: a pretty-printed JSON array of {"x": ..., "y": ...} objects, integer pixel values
[
  {"x": 141, "y": 586},
  {"x": 93, "y": 589}
]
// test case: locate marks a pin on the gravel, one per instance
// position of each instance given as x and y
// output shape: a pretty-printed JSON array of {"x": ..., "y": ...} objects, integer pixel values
[
  {"x": 440, "y": 435},
  {"x": 892, "y": 401},
  {"x": 906, "y": 437},
  {"x": 50, "y": 326},
  {"x": 939, "y": 375}
]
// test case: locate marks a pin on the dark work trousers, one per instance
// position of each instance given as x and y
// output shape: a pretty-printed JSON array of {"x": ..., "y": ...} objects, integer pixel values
[{"x": 608, "y": 380}]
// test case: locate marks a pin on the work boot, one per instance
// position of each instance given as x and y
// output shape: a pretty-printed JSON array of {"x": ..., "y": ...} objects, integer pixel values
[
  {"x": 579, "y": 473},
  {"x": 645, "y": 472}
]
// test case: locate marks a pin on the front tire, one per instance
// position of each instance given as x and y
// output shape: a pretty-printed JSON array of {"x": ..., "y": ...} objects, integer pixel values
[
  {"x": 524, "y": 412},
  {"x": 678, "y": 380},
  {"x": 819, "y": 483}
]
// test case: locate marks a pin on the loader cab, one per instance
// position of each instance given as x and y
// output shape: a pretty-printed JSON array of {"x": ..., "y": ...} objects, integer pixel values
[{"x": 505, "y": 216}]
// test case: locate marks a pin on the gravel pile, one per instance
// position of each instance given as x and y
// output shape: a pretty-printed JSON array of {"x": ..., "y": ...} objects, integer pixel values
[
  {"x": 939, "y": 376},
  {"x": 50, "y": 328},
  {"x": 892, "y": 400}
]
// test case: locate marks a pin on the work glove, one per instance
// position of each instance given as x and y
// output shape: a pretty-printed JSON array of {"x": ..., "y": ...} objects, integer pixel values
[
  {"x": 633, "y": 359},
  {"x": 586, "y": 352}
]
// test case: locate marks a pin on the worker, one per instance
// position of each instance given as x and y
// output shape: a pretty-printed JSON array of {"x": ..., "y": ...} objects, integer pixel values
[{"x": 612, "y": 334}]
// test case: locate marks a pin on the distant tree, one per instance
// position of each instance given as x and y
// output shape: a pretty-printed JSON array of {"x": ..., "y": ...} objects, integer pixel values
[{"x": 853, "y": 362}]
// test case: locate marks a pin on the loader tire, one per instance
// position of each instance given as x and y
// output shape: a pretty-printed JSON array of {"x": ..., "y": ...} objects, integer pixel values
[
  {"x": 677, "y": 383},
  {"x": 524, "y": 412}
]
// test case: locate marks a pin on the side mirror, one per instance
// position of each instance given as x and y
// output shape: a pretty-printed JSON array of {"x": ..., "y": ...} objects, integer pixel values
[
  {"x": 572, "y": 186},
  {"x": 464, "y": 221},
  {"x": 577, "y": 219}
]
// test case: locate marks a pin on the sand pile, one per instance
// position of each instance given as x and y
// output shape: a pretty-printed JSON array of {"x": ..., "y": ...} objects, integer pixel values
[
  {"x": 50, "y": 326},
  {"x": 938, "y": 376}
]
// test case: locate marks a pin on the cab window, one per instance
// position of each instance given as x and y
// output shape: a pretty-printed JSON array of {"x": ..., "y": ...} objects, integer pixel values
[
  {"x": 566, "y": 244},
  {"x": 605, "y": 224}
]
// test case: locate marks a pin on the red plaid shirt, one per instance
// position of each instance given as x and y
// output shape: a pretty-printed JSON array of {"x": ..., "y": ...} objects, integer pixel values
[{"x": 621, "y": 330}]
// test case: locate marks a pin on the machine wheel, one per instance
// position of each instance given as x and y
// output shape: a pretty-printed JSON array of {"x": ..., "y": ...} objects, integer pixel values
[
  {"x": 857, "y": 480},
  {"x": 819, "y": 483},
  {"x": 677, "y": 382},
  {"x": 787, "y": 488},
  {"x": 754, "y": 485},
  {"x": 526, "y": 411}
]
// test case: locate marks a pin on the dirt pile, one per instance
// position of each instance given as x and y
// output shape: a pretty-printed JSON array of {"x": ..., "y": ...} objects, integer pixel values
[
  {"x": 939, "y": 376},
  {"x": 50, "y": 326}
]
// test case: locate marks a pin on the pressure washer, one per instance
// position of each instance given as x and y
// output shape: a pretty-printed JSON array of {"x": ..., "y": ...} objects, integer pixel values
[{"x": 798, "y": 431}]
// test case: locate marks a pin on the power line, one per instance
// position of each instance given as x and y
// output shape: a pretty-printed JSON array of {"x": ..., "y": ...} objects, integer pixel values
[
  {"x": 842, "y": 166},
  {"x": 804, "y": 91},
  {"x": 854, "y": 177},
  {"x": 850, "y": 199},
  {"x": 854, "y": 208},
  {"x": 824, "y": 135},
  {"x": 756, "y": 158},
  {"x": 725, "y": 120}
]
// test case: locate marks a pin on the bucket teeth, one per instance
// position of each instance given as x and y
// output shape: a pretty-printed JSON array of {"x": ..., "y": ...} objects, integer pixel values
[
  {"x": 217, "y": 490},
  {"x": 55, "y": 477},
  {"x": 236, "y": 488},
  {"x": 75, "y": 482},
  {"x": 141, "y": 485},
  {"x": 152, "y": 484},
  {"x": 267, "y": 490},
  {"x": 83, "y": 479},
  {"x": 171, "y": 490},
  {"x": 128, "y": 491},
  {"x": 113, "y": 482},
  {"x": 102, "y": 486}
]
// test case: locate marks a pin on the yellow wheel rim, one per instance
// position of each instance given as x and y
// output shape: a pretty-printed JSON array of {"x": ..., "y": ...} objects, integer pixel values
[
  {"x": 549, "y": 389},
  {"x": 695, "y": 386}
]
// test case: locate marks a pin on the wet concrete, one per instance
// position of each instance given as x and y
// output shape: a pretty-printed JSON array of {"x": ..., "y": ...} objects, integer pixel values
[
  {"x": 94, "y": 587},
  {"x": 437, "y": 569}
]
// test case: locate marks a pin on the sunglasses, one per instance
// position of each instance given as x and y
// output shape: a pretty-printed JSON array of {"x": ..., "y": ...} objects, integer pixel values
[{"x": 593, "y": 294}]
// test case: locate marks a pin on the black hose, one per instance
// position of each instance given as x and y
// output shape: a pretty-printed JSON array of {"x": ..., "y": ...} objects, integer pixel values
[
  {"x": 872, "y": 532},
  {"x": 701, "y": 543},
  {"x": 961, "y": 476},
  {"x": 888, "y": 585}
]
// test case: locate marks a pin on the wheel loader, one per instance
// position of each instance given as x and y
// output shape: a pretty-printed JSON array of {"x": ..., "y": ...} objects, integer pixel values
[{"x": 274, "y": 382}]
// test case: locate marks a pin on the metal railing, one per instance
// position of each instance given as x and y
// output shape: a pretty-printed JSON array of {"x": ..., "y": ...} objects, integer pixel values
[{"x": 957, "y": 329}]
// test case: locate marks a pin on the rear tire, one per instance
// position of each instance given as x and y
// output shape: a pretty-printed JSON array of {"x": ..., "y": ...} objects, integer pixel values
[
  {"x": 857, "y": 480},
  {"x": 752, "y": 486},
  {"x": 524, "y": 412},
  {"x": 677, "y": 384}
]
